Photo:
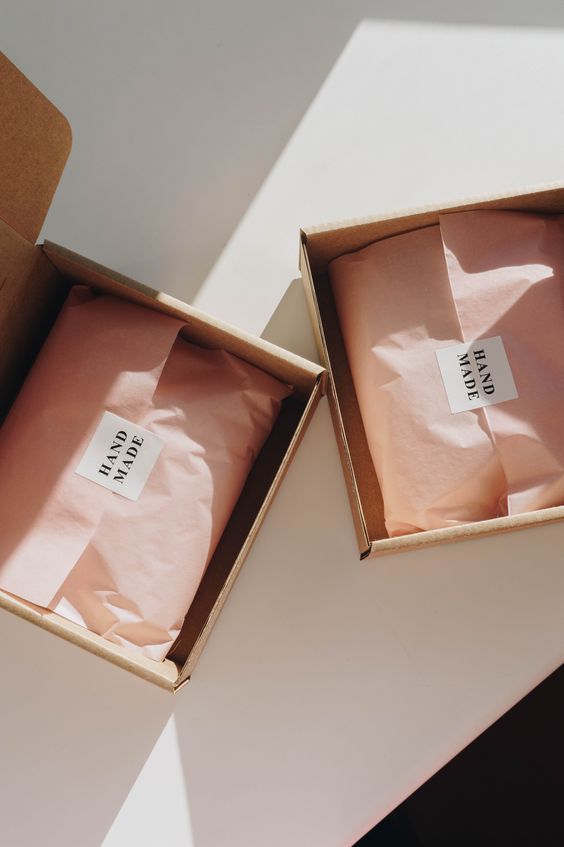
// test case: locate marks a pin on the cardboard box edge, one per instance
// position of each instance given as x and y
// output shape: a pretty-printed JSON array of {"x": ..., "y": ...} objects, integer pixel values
[
  {"x": 184, "y": 309},
  {"x": 426, "y": 538},
  {"x": 188, "y": 667},
  {"x": 410, "y": 211},
  {"x": 89, "y": 641},
  {"x": 474, "y": 530},
  {"x": 359, "y": 522}
]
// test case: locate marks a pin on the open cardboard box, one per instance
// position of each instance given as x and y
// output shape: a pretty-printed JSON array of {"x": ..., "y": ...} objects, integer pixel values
[
  {"x": 319, "y": 245},
  {"x": 35, "y": 141}
]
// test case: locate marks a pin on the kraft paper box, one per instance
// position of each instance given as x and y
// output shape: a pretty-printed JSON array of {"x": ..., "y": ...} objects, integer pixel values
[
  {"x": 35, "y": 141},
  {"x": 319, "y": 247}
]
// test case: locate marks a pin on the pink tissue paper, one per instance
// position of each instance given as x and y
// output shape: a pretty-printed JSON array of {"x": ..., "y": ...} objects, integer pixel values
[
  {"x": 481, "y": 279},
  {"x": 125, "y": 568}
]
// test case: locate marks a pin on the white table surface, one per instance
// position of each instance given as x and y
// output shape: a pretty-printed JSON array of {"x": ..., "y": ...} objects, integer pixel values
[{"x": 330, "y": 689}]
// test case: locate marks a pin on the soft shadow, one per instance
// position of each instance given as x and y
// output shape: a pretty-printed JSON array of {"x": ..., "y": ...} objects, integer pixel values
[
  {"x": 76, "y": 734},
  {"x": 220, "y": 163},
  {"x": 325, "y": 672},
  {"x": 250, "y": 715},
  {"x": 205, "y": 98},
  {"x": 290, "y": 326}
]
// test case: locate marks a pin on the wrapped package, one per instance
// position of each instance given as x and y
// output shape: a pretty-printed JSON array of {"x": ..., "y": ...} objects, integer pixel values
[
  {"x": 120, "y": 464},
  {"x": 455, "y": 339}
]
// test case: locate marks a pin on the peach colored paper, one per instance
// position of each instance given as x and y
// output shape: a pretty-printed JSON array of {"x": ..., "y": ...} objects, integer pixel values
[
  {"x": 506, "y": 271},
  {"x": 476, "y": 275},
  {"x": 127, "y": 570}
]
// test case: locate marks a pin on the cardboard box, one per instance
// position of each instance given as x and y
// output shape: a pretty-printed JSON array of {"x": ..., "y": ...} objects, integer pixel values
[
  {"x": 319, "y": 245},
  {"x": 35, "y": 141}
]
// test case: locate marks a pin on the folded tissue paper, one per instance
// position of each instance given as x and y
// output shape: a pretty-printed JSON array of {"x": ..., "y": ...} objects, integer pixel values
[
  {"x": 121, "y": 461},
  {"x": 455, "y": 339}
]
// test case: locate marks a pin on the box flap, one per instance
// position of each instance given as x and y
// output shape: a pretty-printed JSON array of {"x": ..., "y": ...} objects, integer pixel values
[{"x": 35, "y": 141}]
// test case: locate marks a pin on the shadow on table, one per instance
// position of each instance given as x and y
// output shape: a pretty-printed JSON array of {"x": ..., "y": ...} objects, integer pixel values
[
  {"x": 76, "y": 733},
  {"x": 255, "y": 711},
  {"x": 504, "y": 789},
  {"x": 314, "y": 647},
  {"x": 290, "y": 325},
  {"x": 228, "y": 94}
]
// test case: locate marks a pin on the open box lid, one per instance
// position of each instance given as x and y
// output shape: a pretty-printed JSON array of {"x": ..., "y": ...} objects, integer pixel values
[{"x": 35, "y": 141}]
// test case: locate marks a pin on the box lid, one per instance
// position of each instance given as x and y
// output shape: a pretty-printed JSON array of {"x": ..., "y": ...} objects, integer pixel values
[{"x": 35, "y": 141}]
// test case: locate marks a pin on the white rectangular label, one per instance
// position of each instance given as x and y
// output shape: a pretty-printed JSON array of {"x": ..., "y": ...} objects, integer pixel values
[
  {"x": 476, "y": 374},
  {"x": 120, "y": 456}
]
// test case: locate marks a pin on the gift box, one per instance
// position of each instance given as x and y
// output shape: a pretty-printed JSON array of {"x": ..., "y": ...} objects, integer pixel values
[
  {"x": 35, "y": 280},
  {"x": 319, "y": 247}
]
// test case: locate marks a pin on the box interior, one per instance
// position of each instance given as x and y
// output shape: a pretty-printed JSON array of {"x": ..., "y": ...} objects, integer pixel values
[
  {"x": 35, "y": 141},
  {"x": 319, "y": 245},
  {"x": 36, "y": 282}
]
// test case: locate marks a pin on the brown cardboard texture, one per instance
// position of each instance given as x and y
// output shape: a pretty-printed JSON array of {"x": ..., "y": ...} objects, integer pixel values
[
  {"x": 34, "y": 281},
  {"x": 318, "y": 246}
]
